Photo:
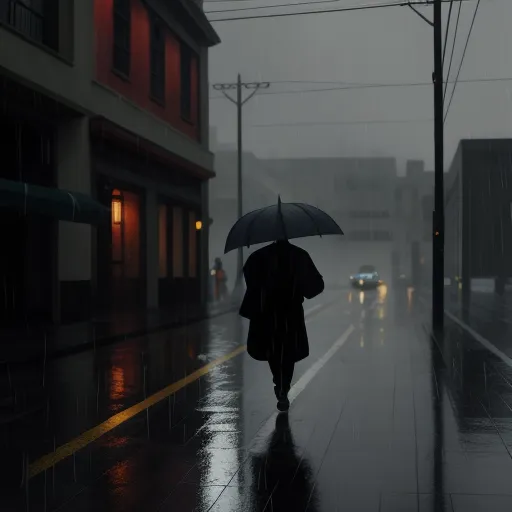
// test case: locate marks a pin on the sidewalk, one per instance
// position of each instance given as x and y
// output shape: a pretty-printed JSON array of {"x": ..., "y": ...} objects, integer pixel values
[
  {"x": 490, "y": 315},
  {"x": 28, "y": 345}
]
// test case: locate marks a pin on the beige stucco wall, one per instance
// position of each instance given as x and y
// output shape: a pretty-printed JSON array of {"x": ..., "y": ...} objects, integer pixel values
[{"x": 73, "y": 173}]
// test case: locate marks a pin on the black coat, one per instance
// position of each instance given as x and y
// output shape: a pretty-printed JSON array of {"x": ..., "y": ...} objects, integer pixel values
[{"x": 279, "y": 277}]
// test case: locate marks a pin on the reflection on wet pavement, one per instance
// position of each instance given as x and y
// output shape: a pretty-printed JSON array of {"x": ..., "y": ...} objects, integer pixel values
[{"x": 387, "y": 419}]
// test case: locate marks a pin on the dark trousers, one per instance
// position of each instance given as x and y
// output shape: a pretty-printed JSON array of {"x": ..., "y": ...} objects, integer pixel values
[{"x": 282, "y": 371}]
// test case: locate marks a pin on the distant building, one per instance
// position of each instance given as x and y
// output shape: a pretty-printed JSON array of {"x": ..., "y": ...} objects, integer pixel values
[
  {"x": 478, "y": 216},
  {"x": 259, "y": 190},
  {"x": 359, "y": 194},
  {"x": 110, "y": 100},
  {"x": 413, "y": 222}
]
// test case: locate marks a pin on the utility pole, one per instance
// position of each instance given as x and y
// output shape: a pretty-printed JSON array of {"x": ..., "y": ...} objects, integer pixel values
[
  {"x": 438, "y": 213},
  {"x": 240, "y": 102},
  {"x": 438, "y": 216}
]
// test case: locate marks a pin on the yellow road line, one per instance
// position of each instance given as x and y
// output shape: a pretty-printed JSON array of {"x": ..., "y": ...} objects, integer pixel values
[{"x": 67, "y": 450}]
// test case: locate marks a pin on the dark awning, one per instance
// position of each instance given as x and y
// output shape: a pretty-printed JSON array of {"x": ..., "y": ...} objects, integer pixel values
[{"x": 71, "y": 206}]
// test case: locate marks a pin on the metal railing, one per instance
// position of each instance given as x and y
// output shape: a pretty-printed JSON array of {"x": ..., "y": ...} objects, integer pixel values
[{"x": 27, "y": 19}]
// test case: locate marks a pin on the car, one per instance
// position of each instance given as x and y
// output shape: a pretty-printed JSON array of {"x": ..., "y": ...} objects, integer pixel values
[{"x": 367, "y": 277}]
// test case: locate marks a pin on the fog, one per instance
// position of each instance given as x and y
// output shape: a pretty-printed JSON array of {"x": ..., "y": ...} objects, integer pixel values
[
  {"x": 353, "y": 86},
  {"x": 382, "y": 46}
]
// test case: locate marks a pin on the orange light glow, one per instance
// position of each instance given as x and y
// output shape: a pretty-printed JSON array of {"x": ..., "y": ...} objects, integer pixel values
[
  {"x": 199, "y": 225},
  {"x": 116, "y": 211},
  {"x": 117, "y": 207}
]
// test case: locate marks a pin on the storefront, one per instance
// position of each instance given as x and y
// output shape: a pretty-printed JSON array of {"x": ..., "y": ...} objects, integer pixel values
[
  {"x": 179, "y": 253},
  {"x": 150, "y": 256},
  {"x": 121, "y": 261}
]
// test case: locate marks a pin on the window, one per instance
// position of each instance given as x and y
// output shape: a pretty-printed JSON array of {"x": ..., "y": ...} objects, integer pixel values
[
  {"x": 177, "y": 242},
  {"x": 25, "y": 16},
  {"x": 360, "y": 236},
  {"x": 381, "y": 235},
  {"x": 162, "y": 240},
  {"x": 157, "y": 59},
  {"x": 122, "y": 34},
  {"x": 368, "y": 214},
  {"x": 186, "y": 81}
]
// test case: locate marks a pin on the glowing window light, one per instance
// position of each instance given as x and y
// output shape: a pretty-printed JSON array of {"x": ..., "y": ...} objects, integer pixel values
[
  {"x": 117, "y": 207},
  {"x": 199, "y": 225}
]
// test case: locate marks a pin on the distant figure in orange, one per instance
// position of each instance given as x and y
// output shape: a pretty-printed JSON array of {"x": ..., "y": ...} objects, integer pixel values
[{"x": 221, "y": 288}]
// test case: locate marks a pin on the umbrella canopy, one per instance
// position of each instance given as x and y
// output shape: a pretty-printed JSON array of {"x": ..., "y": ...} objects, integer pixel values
[{"x": 283, "y": 221}]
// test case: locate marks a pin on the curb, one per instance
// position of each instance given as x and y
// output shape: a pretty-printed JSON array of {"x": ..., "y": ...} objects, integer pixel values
[{"x": 116, "y": 338}]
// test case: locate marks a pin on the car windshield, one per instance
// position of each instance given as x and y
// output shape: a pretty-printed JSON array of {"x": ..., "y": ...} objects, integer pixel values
[{"x": 366, "y": 269}]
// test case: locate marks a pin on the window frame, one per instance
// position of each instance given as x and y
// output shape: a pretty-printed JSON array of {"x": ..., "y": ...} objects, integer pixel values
[
  {"x": 186, "y": 74},
  {"x": 157, "y": 55},
  {"x": 121, "y": 13}
]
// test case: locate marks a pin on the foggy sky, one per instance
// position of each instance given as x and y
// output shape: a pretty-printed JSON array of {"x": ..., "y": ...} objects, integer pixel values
[{"x": 374, "y": 46}]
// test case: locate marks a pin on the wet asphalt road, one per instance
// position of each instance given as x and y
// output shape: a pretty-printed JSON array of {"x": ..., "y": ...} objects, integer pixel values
[{"x": 382, "y": 419}]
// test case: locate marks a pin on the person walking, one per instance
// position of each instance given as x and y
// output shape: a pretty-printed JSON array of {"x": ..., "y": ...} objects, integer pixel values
[{"x": 278, "y": 277}]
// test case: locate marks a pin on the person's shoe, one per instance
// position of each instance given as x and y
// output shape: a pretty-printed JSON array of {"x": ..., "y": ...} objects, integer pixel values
[{"x": 283, "y": 404}]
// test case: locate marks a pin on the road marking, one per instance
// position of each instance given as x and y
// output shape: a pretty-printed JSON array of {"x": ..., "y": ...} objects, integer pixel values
[
  {"x": 78, "y": 443},
  {"x": 478, "y": 337},
  {"x": 261, "y": 437},
  {"x": 300, "y": 385},
  {"x": 311, "y": 309}
]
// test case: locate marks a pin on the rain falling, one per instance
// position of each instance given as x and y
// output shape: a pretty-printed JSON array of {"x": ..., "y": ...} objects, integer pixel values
[{"x": 256, "y": 255}]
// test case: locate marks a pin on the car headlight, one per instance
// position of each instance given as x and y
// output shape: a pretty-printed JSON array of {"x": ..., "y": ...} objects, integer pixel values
[{"x": 361, "y": 282}]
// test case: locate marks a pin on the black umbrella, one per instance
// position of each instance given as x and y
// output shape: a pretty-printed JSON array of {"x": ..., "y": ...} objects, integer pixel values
[{"x": 283, "y": 221}]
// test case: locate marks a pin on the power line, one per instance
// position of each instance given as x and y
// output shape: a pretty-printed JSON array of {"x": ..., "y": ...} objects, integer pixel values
[
  {"x": 343, "y": 123},
  {"x": 447, "y": 29},
  {"x": 453, "y": 49},
  {"x": 462, "y": 60},
  {"x": 341, "y": 9},
  {"x": 272, "y": 6},
  {"x": 371, "y": 86}
]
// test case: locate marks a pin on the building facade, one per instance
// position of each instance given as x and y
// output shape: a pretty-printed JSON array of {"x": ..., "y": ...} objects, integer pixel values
[
  {"x": 107, "y": 100},
  {"x": 413, "y": 224},
  {"x": 478, "y": 218}
]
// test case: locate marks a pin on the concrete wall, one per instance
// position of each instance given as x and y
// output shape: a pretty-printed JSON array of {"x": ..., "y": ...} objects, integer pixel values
[
  {"x": 73, "y": 173},
  {"x": 74, "y": 240}
]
